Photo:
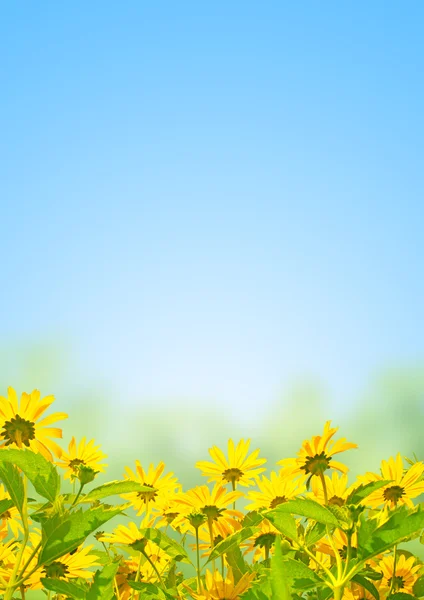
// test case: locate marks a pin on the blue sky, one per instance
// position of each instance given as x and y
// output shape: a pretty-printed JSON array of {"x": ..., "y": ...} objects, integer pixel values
[{"x": 209, "y": 201}]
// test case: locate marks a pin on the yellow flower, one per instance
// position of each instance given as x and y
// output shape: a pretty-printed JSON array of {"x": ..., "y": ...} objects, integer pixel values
[
  {"x": 315, "y": 455},
  {"x": 212, "y": 504},
  {"x": 274, "y": 491},
  {"x": 262, "y": 543},
  {"x": 128, "y": 536},
  {"x": 219, "y": 588},
  {"x": 321, "y": 560},
  {"x": 7, "y": 562},
  {"x": 85, "y": 454},
  {"x": 340, "y": 541},
  {"x": 11, "y": 518},
  {"x": 221, "y": 529},
  {"x": 153, "y": 478},
  {"x": 21, "y": 424},
  {"x": 357, "y": 592},
  {"x": 336, "y": 486},
  {"x": 238, "y": 469},
  {"x": 405, "y": 574},
  {"x": 402, "y": 488}
]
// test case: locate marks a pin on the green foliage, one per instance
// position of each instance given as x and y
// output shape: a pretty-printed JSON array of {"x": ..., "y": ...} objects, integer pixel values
[
  {"x": 170, "y": 546},
  {"x": 61, "y": 586},
  {"x": 284, "y": 522},
  {"x": 150, "y": 590},
  {"x": 66, "y": 532},
  {"x": 305, "y": 508},
  {"x": 368, "y": 585},
  {"x": 280, "y": 580},
  {"x": 42, "y": 474},
  {"x": 103, "y": 584},
  {"x": 115, "y": 487},
  {"x": 232, "y": 541},
  {"x": 13, "y": 482},
  {"x": 419, "y": 587}
]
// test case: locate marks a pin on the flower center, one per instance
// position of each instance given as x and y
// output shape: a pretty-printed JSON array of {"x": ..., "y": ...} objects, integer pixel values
[
  {"x": 56, "y": 570},
  {"x": 277, "y": 500},
  {"x": 232, "y": 474},
  {"x": 6, "y": 515},
  {"x": 146, "y": 496},
  {"x": 398, "y": 582},
  {"x": 18, "y": 431},
  {"x": 265, "y": 540},
  {"x": 336, "y": 501},
  {"x": 75, "y": 463},
  {"x": 171, "y": 516},
  {"x": 316, "y": 464},
  {"x": 394, "y": 493},
  {"x": 212, "y": 512}
]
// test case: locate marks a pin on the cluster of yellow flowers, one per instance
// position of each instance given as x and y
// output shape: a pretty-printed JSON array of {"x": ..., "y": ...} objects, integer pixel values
[{"x": 208, "y": 513}]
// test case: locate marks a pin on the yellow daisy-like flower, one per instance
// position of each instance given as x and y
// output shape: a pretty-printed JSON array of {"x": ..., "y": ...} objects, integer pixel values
[
  {"x": 238, "y": 469},
  {"x": 85, "y": 454},
  {"x": 315, "y": 455},
  {"x": 153, "y": 478},
  {"x": 219, "y": 588},
  {"x": 340, "y": 541},
  {"x": 7, "y": 562},
  {"x": 262, "y": 543},
  {"x": 336, "y": 486},
  {"x": 403, "y": 486},
  {"x": 357, "y": 592},
  {"x": 10, "y": 519},
  {"x": 274, "y": 491},
  {"x": 213, "y": 503},
  {"x": 22, "y": 427},
  {"x": 167, "y": 511},
  {"x": 405, "y": 574},
  {"x": 130, "y": 536}
]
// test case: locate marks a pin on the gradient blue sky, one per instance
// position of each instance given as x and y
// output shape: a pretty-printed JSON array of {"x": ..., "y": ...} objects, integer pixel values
[{"x": 211, "y": 200}]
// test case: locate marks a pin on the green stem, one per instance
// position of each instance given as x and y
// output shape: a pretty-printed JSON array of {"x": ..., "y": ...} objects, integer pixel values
[
  {"x": 233, "y": 483},
  {"x": 33, "y": 553},
  {"x": 212, "y": 541},
  {"x": 137, "y": 575},
  {"x": 323, "y": 567},
  {"x": 392, "y": 583},
  {"x": 198, "y": 560},
  {"x": 330, "y": 537},
  {"x": 78, "y": 495},
  {"x": 155, "y": 569}
]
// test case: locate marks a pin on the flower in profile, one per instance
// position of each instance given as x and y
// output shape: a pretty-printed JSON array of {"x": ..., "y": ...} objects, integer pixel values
[
  {"x": 22, "y": 427},
  {"x": 399, "y": 578},
  {"x": 84, "y": 454},
  {"x": 336, "y": 486},
  {"x": 221, "y": 529},
  {"x": 316, "y": 455},
  {"x": 274, "y": 491},
  {"x": 220, "y": 588},
  {"x": 153, "y": 479},
  {"x": 238, "y": 469},
  {"x": 402, "y": 487}
]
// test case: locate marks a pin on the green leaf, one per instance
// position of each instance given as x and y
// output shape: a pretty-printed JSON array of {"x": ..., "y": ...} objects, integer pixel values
[
  {"x": 231, "y": 542},
  {"x": 68, "y": 532},
  {"x": 315, "y": 533},
  {"x": 14, "y": 485},
  {"x": 364, "y": 490},
  {"x": 280, "y": 582},
  {"x": 61, "y": 586},
  {"x": 5, "y": 505},
  {"x": 306, "y": 508},
  {"x": 115, "y": 487},
  {"x": 418, "y": 588},
  {"x": 284, "y": 522},
  {"x": 402, "y": 596},
  {"x": 402, "y": 525},
  {"x": 237, "y": 563},
  {"x": 171, "y": 547},
  {"x": 150, "y": 590},
  {"x": 302, "y": 576},
  {"x": 252, "y": 518},
  {"x": 42, "y": 473},
  {"x": 103, "y": 584},
  {"x": 370, "y": 587}
]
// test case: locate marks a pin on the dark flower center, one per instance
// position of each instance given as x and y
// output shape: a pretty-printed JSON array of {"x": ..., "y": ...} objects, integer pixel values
[
  {"x": 394, "y": 493},
  {"x": 18, "y": 431},
  {"x": 232, "y": 475},
  {"x": 147, "y": 496},
  {"x": 265, "y": 540},
  {"x": 315, "y": 465},
  {"x": 212, "y": 512},
  {"x": 56, "y": 570},
  {"x": 398, "y": 582},
  {"x": 277, "y": 500},
  {"x": 336, "y": 501},
  {"x": 75, "y": 464}
]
